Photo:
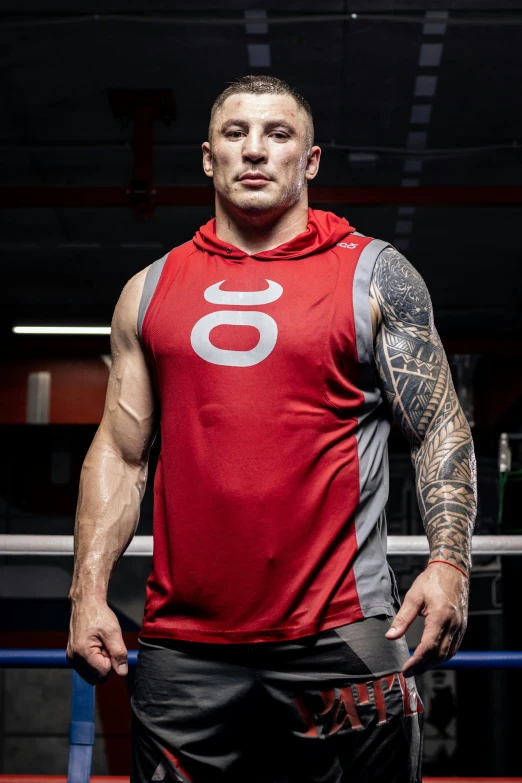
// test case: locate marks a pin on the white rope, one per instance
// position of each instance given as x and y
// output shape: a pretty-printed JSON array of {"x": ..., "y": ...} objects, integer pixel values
[{"x": 141, "y": 546}]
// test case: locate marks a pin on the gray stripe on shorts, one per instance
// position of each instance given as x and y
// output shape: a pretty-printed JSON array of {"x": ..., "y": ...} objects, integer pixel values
[
  {"x": 149, "y": 286},
  {"x": 368, "y": 641}
]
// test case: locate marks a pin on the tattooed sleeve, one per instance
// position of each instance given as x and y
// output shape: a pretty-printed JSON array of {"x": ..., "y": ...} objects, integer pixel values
[{"x": 417, "y": 383}]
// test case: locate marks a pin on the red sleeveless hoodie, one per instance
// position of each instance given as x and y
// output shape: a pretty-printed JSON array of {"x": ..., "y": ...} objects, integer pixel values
[{"x": 272, "y": 479}]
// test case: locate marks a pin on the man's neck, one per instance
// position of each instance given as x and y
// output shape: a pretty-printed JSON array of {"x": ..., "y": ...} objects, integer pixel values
[{"x": 254, "y": 234}]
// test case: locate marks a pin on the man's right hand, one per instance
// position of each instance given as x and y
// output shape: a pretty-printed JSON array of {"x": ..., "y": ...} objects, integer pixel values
[{"x": 95, "y": 645}]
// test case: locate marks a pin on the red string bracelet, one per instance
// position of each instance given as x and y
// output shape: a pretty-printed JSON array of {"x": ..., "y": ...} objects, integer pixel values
[{"x": 450, "y": 564}]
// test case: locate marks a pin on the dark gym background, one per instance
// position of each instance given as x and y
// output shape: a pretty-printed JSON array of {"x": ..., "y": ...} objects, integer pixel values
[{"x": 103, "y": 109}]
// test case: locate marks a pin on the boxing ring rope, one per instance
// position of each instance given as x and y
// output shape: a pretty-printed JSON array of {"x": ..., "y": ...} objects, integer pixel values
[
  {"x": 141, "y": 546},
  {"x": 55, "y": 659},
  {"x": 81, "y": 734}
]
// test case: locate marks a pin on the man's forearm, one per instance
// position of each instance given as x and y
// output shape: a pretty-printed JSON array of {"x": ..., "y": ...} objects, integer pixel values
[
  {"x": 107, "y": 515},
  {"x": 446, "y": 483}
]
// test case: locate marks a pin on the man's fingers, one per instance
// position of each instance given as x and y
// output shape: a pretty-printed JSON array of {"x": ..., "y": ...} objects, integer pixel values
[
  {"x": 96, "y": 644},
  {"x": 404, "y": 617},
  {"x": 455, "y": 643},
  {"x": 95, "y": 658},
  {"x": 431, "y": 650},
  {"x": 425, "y": 657},
  {"x": 92, "y": 665},
  {"x": 443, "y": 607},
  {"x": 117, "y": 651}
]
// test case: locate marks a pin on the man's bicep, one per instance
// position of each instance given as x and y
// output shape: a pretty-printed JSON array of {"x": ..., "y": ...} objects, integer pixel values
[
  {"x": 130, "y": 416},
  {"x": 412, "y": 365}
]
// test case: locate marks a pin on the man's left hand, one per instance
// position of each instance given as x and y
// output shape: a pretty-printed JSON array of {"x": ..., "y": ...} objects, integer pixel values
[{"x": 440, "y": 595}]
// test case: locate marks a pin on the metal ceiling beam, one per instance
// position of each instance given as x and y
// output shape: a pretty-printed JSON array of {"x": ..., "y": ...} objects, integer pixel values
[
  {"x": 196, "y": 195},
  {"x": 400, "y": 15}
]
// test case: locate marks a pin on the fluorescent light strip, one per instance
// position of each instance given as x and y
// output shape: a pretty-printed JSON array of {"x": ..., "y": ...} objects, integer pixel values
[
  {"x": 62, "y": 329},
  {"x": 259, "y": 55},
  {"x": 257, "y": 23},
  {"x": 430, "y": 56},
  {"x": 435, "y": 23}
]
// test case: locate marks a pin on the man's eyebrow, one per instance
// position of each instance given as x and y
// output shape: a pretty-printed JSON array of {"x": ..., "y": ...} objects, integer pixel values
[
  {"x": 269, "y": 124},
  {"x": 278, "y": 123},
  {"x": 225, "y": 124}
]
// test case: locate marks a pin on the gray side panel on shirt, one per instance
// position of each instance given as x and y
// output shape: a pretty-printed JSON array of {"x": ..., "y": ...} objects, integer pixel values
[
  {"x": 149, "y": 286},
  {"x": 374, "y": 579}
]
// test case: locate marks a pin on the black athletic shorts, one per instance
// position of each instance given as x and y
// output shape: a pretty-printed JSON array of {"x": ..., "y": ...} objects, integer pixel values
[{"x": 327, "y": 708}]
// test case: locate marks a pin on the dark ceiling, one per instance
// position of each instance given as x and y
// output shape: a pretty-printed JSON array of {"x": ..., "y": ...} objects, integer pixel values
[{"x": 431, "y": 95}]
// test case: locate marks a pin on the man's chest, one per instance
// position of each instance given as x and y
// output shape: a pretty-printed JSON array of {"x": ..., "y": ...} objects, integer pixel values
[{"x": 256, "y": 313}]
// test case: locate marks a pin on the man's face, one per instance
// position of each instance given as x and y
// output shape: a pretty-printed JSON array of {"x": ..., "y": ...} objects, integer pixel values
[{"x": 259, "y": 155}]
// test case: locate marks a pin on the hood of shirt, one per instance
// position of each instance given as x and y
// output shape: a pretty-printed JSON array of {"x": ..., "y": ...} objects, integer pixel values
[{"x": 324, "y": 230}]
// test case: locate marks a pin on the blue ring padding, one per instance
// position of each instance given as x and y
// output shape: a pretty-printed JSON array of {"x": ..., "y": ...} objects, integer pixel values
[
  {"x": 81, "y": 730},
  {"x": 41, "y": 659},
  {"x": 489, "y": 659},
  {"x": 80, "y": 762},
  {"x": 55, "y": 659}
]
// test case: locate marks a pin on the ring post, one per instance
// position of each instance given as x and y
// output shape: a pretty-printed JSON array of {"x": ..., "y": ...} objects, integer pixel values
[{"x": 81, "y": 731}]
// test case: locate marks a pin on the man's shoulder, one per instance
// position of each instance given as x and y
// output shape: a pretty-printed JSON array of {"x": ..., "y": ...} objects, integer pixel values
[
  {"x": 134, "y": 288},
  {"x": 125, "y": 317},
  {"x": 399, "y": 290}
]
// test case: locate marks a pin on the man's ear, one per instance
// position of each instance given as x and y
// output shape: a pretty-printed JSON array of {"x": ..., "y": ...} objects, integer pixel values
[
  {"x": 312, "y": 166},
  {"x": 207, "y": 159}
]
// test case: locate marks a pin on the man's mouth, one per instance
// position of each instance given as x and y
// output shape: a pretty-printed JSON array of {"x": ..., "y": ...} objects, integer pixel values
[{"x": 253, "y": 178}]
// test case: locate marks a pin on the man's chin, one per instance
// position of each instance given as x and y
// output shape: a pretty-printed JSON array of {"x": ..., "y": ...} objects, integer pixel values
[{"x": 255, "y": 203}]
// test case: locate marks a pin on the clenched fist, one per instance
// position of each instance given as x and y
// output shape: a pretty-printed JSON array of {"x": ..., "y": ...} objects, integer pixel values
[{"x": 95, "y": 645}]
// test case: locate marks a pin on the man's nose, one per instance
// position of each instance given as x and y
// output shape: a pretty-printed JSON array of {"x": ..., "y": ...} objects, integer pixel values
[{"x": 254, "y": 149}]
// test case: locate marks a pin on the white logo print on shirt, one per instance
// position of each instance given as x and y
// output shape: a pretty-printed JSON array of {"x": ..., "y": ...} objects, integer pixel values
[{"x": 265, "y": 324}]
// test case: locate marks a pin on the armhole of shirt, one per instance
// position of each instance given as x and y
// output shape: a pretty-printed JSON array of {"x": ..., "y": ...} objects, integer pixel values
[
  {"x": 361, "y": 300},
  {"x": 149, "y": 287}
]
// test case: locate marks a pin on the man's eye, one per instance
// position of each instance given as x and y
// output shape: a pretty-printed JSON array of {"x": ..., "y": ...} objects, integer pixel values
[
  {"x": 280, "y": 135},
  {"x": 234, "y": 133}
]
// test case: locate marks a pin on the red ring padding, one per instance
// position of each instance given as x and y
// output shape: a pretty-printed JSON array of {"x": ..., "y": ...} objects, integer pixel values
[{"x": 125, "y": 779}]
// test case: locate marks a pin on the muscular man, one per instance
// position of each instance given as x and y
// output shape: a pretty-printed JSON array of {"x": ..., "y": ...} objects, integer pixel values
[{"x": 273, "y": 349}]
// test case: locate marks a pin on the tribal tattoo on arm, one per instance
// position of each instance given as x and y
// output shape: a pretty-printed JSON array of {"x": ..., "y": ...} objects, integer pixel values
[{"x": 416, "y": 380}]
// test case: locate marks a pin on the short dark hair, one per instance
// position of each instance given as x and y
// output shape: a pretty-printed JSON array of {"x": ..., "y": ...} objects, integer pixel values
[{"x": 260, "y": 84}]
